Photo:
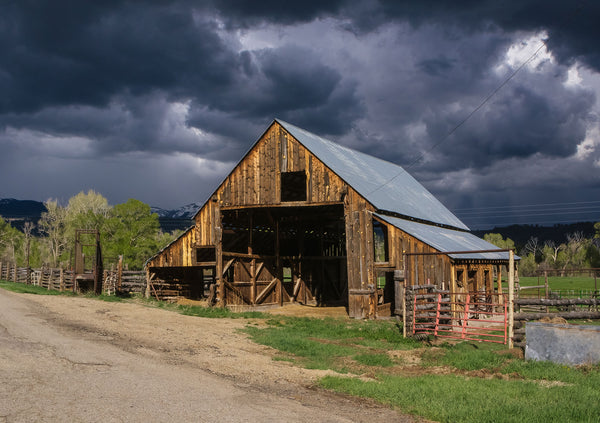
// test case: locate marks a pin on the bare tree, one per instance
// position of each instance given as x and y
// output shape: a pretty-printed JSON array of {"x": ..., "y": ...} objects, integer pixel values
[{"x": 533, "y": 246}]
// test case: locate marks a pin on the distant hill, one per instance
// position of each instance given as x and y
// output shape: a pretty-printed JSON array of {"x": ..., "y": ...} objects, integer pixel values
[
  {"x": 21, "y": 209},
  {"x": 17, "y": 212},
  {"x": 520, "y": 234}
]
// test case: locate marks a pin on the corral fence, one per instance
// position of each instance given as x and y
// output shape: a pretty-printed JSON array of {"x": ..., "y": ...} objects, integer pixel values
[
  {"x": 469, "y": 316},
  {"x": 113, "y": 281}
]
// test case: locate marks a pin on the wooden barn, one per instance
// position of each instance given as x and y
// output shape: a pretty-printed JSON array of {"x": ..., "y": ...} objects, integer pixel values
[{"x": 301, "y": 219}]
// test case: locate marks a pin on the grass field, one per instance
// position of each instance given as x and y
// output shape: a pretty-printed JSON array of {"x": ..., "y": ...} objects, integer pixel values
[{"x": 562, "y": 283}]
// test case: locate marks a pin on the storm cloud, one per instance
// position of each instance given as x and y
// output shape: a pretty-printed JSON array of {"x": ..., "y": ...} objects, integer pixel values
[{"x": 486, "y": 103}]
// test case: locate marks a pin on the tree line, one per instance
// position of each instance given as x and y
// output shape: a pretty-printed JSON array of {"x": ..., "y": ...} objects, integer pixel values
[
  {"x": 576, "y": 252},
  {"x": 129, "y": 230}
]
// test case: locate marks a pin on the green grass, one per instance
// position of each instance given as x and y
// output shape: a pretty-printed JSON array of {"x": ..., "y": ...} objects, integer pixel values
[
  {"x": 470, "y": 382},
  {"x": 561, "y": 283},
  {"x": 338, "y": 344},
  {"x": 31, "y": 289},
  {"x": 456, "y": 398},
  {"x": 218, "y": 312}
]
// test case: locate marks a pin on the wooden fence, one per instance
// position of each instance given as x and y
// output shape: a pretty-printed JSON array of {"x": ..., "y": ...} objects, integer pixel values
[{"x": 113, "y": 281}]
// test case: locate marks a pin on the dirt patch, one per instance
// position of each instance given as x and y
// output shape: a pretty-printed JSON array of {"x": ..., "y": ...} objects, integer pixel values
[{"x": 299, "y": 310}]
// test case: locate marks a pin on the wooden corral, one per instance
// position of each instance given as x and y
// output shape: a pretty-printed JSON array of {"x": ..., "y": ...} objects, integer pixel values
[{"x": 303, "y": 220}]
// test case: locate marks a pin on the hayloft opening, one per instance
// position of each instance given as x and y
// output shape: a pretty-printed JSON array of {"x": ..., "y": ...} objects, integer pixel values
[{"x": 293, "y": 186}]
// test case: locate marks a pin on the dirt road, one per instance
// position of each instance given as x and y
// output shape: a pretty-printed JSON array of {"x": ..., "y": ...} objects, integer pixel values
[{"x": 79, "y": 359}]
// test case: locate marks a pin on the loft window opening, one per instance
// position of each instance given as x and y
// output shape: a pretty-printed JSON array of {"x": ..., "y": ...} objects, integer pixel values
[
  {"x": 380, "y": 242},
  {"x": 293, "y": 186}
]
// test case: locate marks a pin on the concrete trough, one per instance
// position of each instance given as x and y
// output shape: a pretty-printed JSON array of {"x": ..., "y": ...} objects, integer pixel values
[{"x": 562, "y": 343}]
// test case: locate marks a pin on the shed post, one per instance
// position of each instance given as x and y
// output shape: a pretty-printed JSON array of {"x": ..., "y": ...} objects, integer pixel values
[
  {"x": 511, "y": 296},
  {"x": 218, "y": 242}
]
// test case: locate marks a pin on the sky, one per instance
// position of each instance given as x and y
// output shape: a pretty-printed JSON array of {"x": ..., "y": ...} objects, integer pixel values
[{"x": 493, "y": 106}]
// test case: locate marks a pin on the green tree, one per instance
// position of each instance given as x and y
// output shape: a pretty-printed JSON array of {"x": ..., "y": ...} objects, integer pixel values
[
  {"x": 53, "y": 225},
  {"x": 131, "y": 231},
  {"x": 527, "y": 265},
  {"x": 597, "y": 227},
  {"x": 11, "y": 241},
  {"x": 498, "y": 241}
]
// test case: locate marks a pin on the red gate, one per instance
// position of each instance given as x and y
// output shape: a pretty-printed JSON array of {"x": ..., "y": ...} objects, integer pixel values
[{"x": 473, "y": 316}]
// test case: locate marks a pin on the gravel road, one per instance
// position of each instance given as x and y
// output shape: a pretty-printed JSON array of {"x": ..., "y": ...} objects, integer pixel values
[{"x": 79, "y": 359}]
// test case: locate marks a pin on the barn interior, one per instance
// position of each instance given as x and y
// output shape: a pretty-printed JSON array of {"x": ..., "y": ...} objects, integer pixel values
[
  {"x": 270, "y": 256},
  {"x": 276, "y": 255}
]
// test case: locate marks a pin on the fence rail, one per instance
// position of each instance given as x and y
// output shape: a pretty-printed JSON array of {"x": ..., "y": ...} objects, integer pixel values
[{"x": 58, "y": 279}]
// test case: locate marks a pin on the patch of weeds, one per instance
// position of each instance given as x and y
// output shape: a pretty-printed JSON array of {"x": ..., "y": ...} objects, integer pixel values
[
  {"x": 472, "y": 356},
  {"x": 380, "y": 360},
  {"x": 219, "y": 312},
  {"x": 282, "y": 358}
]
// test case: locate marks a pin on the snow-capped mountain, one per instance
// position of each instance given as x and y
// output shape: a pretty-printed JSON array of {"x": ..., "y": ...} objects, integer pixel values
[{"x": 185, "y": 212}]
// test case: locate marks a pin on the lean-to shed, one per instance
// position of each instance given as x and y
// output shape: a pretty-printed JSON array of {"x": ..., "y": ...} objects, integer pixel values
[{"x": 303, "y": 219}]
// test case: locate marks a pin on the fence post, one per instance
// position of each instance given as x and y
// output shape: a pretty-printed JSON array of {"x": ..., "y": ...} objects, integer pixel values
[
  {"x": 511, "y": 297},
  {"x": 465, "y": 321},
  {"x": 437, "y": 315}
]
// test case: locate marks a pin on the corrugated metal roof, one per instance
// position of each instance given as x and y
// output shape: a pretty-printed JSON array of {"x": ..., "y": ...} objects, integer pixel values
[
  {"x": 443, "y": 239},
  {"x": 370, "y": 177}
]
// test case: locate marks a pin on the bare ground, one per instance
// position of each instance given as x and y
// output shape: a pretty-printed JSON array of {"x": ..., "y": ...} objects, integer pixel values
[{"x": 79, "y": 359}]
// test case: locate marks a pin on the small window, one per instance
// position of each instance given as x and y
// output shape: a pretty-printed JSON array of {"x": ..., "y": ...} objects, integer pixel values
[
  {"x": 293, "y": 186},
  {"x": 380, "y": 242},
  {"x": 206, "y": 254}
]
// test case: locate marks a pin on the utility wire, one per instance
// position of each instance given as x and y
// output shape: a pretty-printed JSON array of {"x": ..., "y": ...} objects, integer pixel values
[
  {"x": 485, "y": 100},
  {"x": 527, "y": 205}
]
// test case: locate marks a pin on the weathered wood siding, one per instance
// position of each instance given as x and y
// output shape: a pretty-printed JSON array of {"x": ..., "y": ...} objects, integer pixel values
[{"x": 256, "y": 179}]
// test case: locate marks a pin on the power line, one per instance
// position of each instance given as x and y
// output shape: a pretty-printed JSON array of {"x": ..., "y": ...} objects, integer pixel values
[
  {"x": 527, "y": 205},
  {"x": 485, "y": 100}
]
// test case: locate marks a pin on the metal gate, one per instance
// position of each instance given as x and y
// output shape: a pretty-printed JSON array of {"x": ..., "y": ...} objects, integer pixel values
[{"x": 473, "y": 316}]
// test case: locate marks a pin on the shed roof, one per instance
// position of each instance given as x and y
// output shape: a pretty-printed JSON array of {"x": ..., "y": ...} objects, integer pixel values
[
  {"x": 446, "y": 240},
  {"x": 385, "y": 185}
]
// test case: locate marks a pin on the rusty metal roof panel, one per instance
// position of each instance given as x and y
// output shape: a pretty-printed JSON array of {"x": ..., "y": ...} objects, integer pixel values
[
  {"x": 385, "y": 185},
  {"x": 444, "y": 240}
]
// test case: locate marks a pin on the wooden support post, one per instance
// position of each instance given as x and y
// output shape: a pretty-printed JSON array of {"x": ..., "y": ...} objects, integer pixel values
[
  {"x": 119, "y": 274},
  {"x": 453, "y": 289},
  {"x": 511, "y": 297},
  {"x": 278, "y": 264},
  {"x": 218, "y": 242},
  {"x": 406, "y": 279}
]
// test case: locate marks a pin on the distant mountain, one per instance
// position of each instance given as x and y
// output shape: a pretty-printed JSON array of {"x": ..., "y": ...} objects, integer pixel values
[
  {"x": 176, "y": 219},
  {"x": 185, "y": 212},
  {"x": 21, "y": 209}
]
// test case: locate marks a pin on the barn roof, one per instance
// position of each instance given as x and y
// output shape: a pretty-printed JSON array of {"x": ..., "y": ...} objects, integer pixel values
[
  {"x": 446, "y": 240},
  {"x": 387, "y": 186}
]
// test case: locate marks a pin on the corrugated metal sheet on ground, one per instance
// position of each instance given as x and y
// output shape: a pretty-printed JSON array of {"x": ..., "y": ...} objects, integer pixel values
[
  {"x": 371, "y": 176},
  {"x": 447, "y": 239}
]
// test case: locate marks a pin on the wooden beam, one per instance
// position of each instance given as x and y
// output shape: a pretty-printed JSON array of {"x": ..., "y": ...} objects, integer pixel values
[{"x": 266, "y": 291}]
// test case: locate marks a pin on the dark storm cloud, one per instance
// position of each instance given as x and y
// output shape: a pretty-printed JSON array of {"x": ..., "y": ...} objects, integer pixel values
[
  {"x": 85, "y": 55},
  {"x": 187, "y": 86},
  {"x": 572, "y": 26},
  {"x": 120, "y": 60}
]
